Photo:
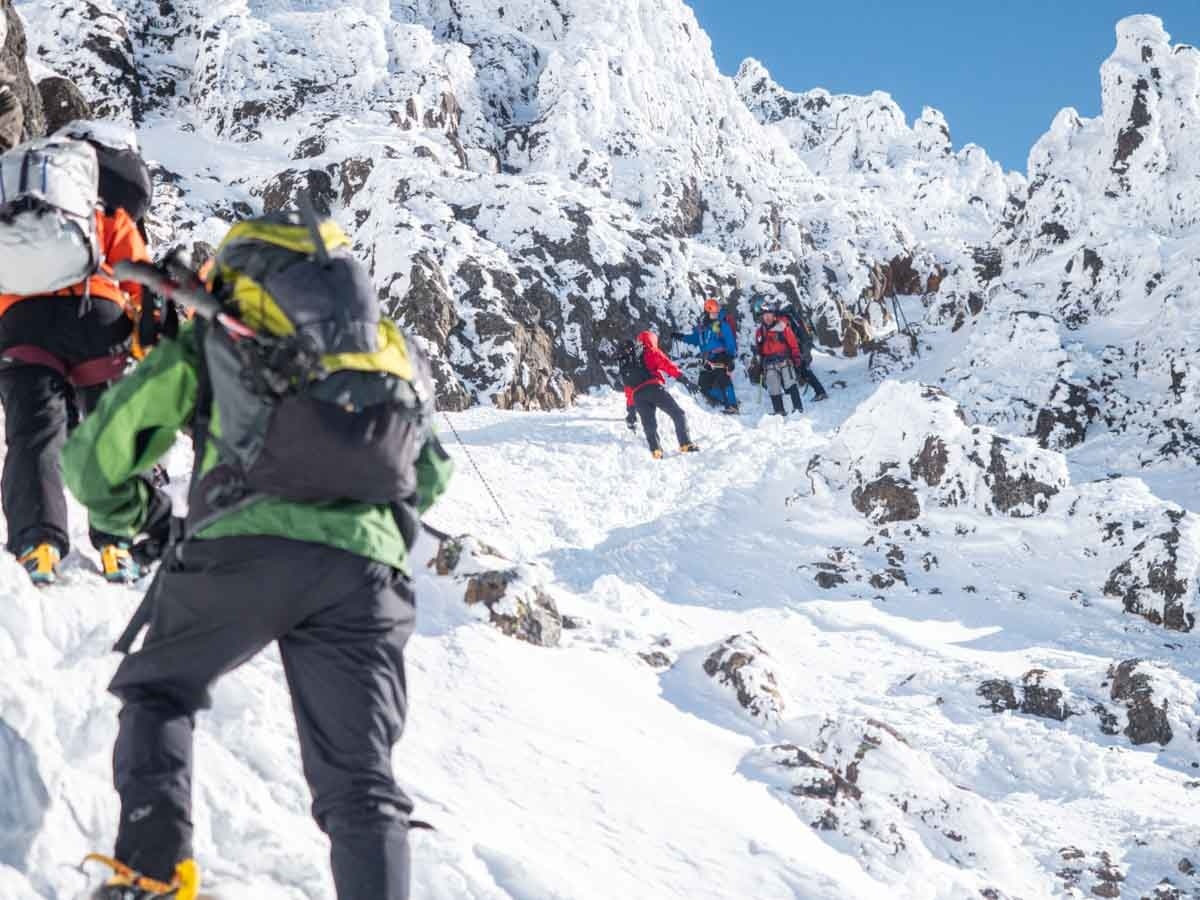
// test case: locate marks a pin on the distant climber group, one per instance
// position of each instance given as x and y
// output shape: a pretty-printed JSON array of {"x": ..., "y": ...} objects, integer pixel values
[{"x": 783, "y": 346}]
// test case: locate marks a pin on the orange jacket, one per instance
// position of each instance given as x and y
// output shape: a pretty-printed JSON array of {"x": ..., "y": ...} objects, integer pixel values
[{"x": 119, "y": 241}]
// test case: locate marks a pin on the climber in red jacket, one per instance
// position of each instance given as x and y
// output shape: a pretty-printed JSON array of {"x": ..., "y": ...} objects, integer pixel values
[{"x": 643, "y": 372}]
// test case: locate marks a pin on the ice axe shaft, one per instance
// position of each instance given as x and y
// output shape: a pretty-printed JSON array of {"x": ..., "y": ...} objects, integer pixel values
[{"x": 193, "y": 296}]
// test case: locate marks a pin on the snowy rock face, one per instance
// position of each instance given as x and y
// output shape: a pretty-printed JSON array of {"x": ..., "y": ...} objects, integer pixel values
[
  {"x": 870, "y": 792},
  {"x": 910, "y": 445},
  {"x": 529, "y": 183},
  {"x": 14, "y": 69},
  {"x": 1104, "y": 253}
]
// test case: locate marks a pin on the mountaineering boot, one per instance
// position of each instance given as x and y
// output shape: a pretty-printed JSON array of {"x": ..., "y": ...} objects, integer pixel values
[
  {"x": 797, "y": 403},
  {"x": 731, "y": 409},
  {"x": 777, "y": 406},
  {"x": 118, "y": 565},
  {"x": 41, "y": 562},
  {"x": 688, "y": 448},
  {"x": 821, "y": 395},
  {"x": 657, "y": 454},
  {"x": 126, "y": 884}
]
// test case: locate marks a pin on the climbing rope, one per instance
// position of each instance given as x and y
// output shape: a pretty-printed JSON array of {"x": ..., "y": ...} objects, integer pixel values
[{"x": 471, "y": 459}]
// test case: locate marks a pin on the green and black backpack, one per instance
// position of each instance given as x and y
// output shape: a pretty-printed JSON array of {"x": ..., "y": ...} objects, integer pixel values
[{"x": 327, "y": 400}]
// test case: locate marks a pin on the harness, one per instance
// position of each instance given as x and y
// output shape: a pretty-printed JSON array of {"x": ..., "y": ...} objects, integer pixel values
[{"x": 88, "y": 373}]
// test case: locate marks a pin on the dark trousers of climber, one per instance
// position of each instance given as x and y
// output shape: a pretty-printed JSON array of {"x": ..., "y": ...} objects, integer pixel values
[
  {"x": 648, "y": 401},
  {"x": 40, "y": 407},
  {"x": 809, "y": 377},
  {"x": 341, "y": 622}
]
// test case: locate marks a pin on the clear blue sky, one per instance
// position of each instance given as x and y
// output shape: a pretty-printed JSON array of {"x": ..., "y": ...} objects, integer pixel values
[{"x": 999, "y": 69}]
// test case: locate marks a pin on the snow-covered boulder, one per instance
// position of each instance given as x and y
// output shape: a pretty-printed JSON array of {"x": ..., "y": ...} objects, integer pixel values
[
  {"x": 513, "y": 597},
  {"x": 909, "y": 446},
  {"x": 741, "y": 666},
  {"x": 867, "y": 790},
  {"x": 1039, "y": 697},
  {"x": 62, "y": 102},
  {"x": 1160, "y": 581},
  {"x": 1133, "y": 683}
]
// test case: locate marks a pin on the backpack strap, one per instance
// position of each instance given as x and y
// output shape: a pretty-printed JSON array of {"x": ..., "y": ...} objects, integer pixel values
[
  {"x": 202, "y": 411},
  {"x": 202, "y": 437}
]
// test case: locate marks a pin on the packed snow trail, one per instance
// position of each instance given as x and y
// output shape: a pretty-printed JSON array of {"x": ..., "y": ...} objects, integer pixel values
[{"x": 583, "y": 772}]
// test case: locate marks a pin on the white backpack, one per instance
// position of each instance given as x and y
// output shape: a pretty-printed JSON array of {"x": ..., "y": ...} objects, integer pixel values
[{"x": 49, "y": 194}]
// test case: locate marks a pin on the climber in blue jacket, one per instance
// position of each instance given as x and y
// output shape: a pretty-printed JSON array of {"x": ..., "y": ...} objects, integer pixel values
[{"x": 714, "y": 336}]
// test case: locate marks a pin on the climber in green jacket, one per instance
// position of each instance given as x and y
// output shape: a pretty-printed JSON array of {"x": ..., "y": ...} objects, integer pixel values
[{"x": 315, "y": 458}]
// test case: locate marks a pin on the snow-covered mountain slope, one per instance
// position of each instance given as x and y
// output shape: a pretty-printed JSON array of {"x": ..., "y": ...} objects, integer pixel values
[
  {"x": 819, "y": 659},
  {"x": 524, "y": 179},
  {"x": 934, "y": 640}
]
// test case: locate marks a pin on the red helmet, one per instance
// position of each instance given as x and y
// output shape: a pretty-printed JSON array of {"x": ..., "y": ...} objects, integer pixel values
[
  {"x": 711, "y": 306},
  {"x": 648, "y": 339}
]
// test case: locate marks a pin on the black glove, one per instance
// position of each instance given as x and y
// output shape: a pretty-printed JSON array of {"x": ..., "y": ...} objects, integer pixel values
[
  {"x": 158, "y": 319},
  {"x": 631, "y": 419},
  {"x": 688, "y": 384},
  {"x": 8, "y": 100},
  {"x": 152, "y": 540}
]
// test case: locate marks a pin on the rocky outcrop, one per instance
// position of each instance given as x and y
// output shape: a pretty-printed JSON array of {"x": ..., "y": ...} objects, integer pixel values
[
  {"x": 741, "y": 665},
  {"x": 513, "y": 598},
  {"x": 887, "y": 499},
  {"x": 918, "y": 431},
  {"x": 515, "y": 607},
  {"x": 1063, "y": 422},
  {"x": 1160, "y": 581},
  {"x": 1133, "y": 686},
  {"x": 62, "y": 102},
  {"x": 861, "y": 783},
  {"x": 1038, "y": 697},
  {"x": 1145, "y": 702},
  {"x": 14, "y": 70}
]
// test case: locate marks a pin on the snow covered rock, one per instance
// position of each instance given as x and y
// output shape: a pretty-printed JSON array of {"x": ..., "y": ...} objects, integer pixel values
[
  {"x": 1160, "y": 581},
  {"x": 62, "y": 102},
  {"x": 909, "y": 445},
  {"x": 867, "y": 790},
  {"x": 26, "y": 798},
  {"x": 15, "y": 70},
  {"x": 1063, "y": 422},
  {"x": 516, "y": 606},
  {"x": 741, "y": 666},
  {"x": 1142, "y": 700},
  {"x": 1133, "y": 686},
  {"x": 1105, "y": 244},
  {"x": 1038, "y": 697},
  {"x": 514, "y": 597}
]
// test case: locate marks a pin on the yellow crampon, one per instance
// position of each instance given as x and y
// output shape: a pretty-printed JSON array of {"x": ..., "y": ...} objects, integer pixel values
[{"x": 184, "y": 886}]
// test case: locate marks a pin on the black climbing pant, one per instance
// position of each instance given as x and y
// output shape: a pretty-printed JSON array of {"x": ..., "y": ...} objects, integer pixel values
[
  {"x": 41, "y": 407},
  {"x": 648, "y": 401},
  {"x": 341, "y": 622}
]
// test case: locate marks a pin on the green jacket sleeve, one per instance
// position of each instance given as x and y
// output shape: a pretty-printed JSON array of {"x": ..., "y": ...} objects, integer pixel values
[
  {"x": 434, "y": 468},
  {"x": 132, "y": 427}
]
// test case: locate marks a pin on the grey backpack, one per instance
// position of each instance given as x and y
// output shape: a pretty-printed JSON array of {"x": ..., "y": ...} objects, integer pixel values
[{"x": 49, "y": 194}]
